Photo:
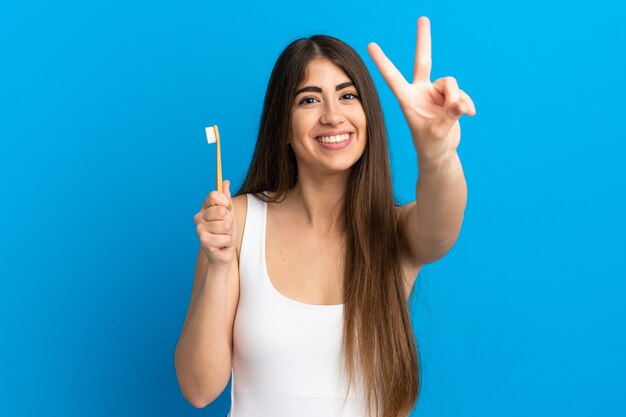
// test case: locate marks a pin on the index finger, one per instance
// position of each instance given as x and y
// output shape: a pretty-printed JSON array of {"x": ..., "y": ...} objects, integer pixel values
[
  {"x": 423, "y": 59},
  {"x": 390, "y": 73}
]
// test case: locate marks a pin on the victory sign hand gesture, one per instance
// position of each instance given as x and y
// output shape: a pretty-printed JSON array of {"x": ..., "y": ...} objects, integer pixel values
[{"x": 432, "y": 110}]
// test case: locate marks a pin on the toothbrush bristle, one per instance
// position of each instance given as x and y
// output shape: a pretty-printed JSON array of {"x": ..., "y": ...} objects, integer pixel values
[{"x": 210, "y": 134}]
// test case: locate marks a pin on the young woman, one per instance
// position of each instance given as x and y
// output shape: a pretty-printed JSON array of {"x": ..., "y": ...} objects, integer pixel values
[{"x": 302, "y": 280}]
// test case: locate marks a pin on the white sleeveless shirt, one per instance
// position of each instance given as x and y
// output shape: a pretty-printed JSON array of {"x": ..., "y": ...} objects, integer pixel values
[{"x": 286, "y": 354}]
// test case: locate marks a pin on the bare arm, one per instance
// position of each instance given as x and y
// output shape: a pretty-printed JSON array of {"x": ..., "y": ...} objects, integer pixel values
[
  {"x": 434, "y": 220},
  {"x": 432, "y": 110},
  {"x": 203, "y": 356}
]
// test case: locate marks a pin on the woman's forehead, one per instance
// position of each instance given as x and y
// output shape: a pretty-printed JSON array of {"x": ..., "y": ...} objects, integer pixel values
[{"x": 319, "y": 70}]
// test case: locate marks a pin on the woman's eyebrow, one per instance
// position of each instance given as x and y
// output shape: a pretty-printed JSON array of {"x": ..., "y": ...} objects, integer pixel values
[{"x": 315, "y": 89}]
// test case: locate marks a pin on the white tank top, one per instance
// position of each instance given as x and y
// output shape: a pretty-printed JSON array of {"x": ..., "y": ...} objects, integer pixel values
[{"x": 286, "y": 354}]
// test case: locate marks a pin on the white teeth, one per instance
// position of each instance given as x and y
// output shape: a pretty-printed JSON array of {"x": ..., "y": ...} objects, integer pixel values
[{"x": 334, "y": 139}]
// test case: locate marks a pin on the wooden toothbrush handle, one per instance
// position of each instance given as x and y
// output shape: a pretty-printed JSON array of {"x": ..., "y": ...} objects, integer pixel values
[{"x": 219, "y": 160}]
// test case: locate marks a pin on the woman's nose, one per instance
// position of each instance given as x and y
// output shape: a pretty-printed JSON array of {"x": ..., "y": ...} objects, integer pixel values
[{"x": 331, "y": 114}]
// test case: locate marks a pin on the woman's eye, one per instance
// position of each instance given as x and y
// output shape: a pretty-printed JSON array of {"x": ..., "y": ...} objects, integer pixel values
[
  {"x": 351, "y": 96},
  {"x": 308, "y": 100}
]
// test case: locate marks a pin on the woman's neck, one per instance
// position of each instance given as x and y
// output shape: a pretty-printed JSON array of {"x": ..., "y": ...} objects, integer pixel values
[{"x": 319, "y": 205}]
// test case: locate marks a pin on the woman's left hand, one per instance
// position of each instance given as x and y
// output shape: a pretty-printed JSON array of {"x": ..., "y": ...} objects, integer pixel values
[{"x": 432, "y": 110}]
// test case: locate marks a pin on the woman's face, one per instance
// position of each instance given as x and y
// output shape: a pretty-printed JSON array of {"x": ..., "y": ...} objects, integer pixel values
[{"x": 328, "y": 126}]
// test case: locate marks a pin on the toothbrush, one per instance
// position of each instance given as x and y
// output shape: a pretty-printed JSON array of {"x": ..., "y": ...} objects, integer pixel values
[{"x": 213, "y": 136}]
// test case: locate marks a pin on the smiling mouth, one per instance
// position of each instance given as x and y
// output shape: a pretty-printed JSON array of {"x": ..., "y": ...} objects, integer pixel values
[{"x": 335, "y": 138}]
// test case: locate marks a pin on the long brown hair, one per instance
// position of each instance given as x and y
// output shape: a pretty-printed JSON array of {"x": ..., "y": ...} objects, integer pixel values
[{"x": 378, "y": 339}]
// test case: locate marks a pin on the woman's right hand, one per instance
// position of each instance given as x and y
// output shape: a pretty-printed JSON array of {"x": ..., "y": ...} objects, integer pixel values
[{"x": 217, "y": 228}]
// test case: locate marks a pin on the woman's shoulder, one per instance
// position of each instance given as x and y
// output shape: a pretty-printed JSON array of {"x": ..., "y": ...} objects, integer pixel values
[
  {"x": 258, "y": 195},
  {"x": 240, "y": 207},
  {"x": 240, "y": 200}
]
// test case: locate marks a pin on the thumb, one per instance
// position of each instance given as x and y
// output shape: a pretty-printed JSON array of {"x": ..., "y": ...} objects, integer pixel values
[
  {"x": 450, "y": 115},
  {"x": 227, "y": 192},
  {"x": 453, "y": 107}
]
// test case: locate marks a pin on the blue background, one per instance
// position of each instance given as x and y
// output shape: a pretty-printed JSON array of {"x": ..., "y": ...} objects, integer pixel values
[{"x": 104, "y": 162}]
